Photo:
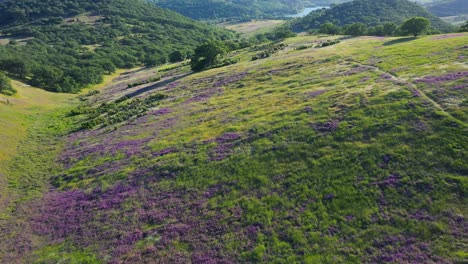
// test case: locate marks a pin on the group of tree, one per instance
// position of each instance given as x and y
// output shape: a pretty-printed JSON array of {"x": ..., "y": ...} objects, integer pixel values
[
  {"x": 211, "y": 54},
  {"x": 414, "y": 26},
  {"x": 464, "y": 27},
  {"x": 5, "y": 85},
  {"x": 63, "y": 54},
  {"x": 373, "y": 14},
  {"x": 207, "y": 55}
]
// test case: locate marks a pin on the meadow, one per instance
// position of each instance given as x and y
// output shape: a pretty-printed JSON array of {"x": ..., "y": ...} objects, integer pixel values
[{"x": 350, "y": 153}]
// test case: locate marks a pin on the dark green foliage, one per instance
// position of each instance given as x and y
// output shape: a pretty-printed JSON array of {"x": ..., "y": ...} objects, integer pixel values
[
  {"x": 327, "y": 43},
  {"x": 356, "y": 29},
  {"x": 207, "y": 55},
  {"x": 14, "y": 66},
  {"x": 415, "y": 25},
  {"x": 267, "y": 50},
  {"x": 5, "y": 85},
  {"x": 369, "y": 12},
  {"x": 329, "y": 28},
  {"x": 464, "y": 28},
  {"x": 237, "y": 10},
  {"x": 277, "y": 35},
  {"x": 116, "y": 112},
  {"x": 66, "y": 54},
  {"x": 229, "y": 9},
  {"x": 177, "y": 56},
  {"x": 389, "y": 29}
]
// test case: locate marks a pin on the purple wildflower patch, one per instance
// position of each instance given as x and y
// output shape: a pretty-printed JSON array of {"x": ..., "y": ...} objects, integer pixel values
[
  {"x": 315, "y": 93},
  {"x": 365, "y": 79},
  {"x": 357, "y": 70},
  {"x": 416, "y": 93},
  {"x": 101, "y": 219},
  {"x": 328, "y": 126},
  {"x": 161, "y": 111},
  {"x": 224, "y": 147},
  {"x": 164, "y": 152},
  {"x": 450, "y": 36},
  {"x": 172, "y": 85},
  {"x": 386, "y": 76},
  {"x": 402, "y": 249},
  {"x": 129, "y": 147},
  {"x": 204, "y": 96},
  {"x": 227, "y": 137},
  {"x": 443, "y": 78},
  {"x": 231, "y": 79},
  {"x": 460, "y": 87},
  {"x": 391, "y": 181}
]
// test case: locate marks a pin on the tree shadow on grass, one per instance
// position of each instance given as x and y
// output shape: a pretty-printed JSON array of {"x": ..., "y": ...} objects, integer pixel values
[
  {"x": 398, "y": 41},
  {"x": 157, "y": 85}
]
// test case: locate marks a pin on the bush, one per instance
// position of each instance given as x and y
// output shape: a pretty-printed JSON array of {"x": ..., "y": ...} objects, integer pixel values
[
  {"x": 5, "y": 85},
  {"x": 329, "y": 28},
  {"x": 207, "y": 55}
]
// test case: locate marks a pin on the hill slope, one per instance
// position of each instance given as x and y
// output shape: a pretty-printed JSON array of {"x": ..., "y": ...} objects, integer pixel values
[
  {"x": 65, "y": 45},
  {"x": 369, "y": 12},
  {"x": 448, "y": 8},
  {"x": 232, "y": 9},
  {"x": 314, "y": 155}
]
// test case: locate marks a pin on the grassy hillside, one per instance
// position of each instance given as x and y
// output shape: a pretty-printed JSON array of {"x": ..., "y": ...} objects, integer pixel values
[
  {"x": 338, "y": 154},
  {"x": 369, "y": 12},
  {"x": 63, "y": 46}
]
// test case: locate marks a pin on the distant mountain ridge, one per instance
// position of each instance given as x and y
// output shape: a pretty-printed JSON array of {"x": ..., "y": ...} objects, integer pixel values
[{"x": 369, "y": 12}]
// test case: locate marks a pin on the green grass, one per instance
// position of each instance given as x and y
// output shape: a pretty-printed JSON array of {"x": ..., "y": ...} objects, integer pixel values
[{"x": 309, "y": 168}]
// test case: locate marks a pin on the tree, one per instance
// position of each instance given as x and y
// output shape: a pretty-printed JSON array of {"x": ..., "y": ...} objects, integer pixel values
[
  {"x": 5, "y": 85},
  {"x": 48, "y": 78},
  {"x": 389, "y": 29},
  {"x": 376, "y": 31},
  {"x": 464, "y": 28},
  {"x": 415, "y": 25},
  {"x": 14, "y": 66},
  {"x": 356, "y": 29},
  {"x": 329, "y": 28},
  {"x": 176, "y": 56},
  {"x": 207, "y": 55}
]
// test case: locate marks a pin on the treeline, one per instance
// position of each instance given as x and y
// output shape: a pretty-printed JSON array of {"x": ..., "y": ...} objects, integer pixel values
[
  {"x": 373, "y": 14},
  {"x": 387, "y": 29},
  {"x": 65, "y": 55},
  {"x": 238, "y": 10}
]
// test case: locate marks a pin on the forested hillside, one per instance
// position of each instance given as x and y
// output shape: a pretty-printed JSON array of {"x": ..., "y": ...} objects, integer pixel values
[
  {"x": 65, "y": 45},
  {"x": 449, "y": 8},
  {"x": 229, "y": 9},
  {"x": 240, "y": 9},
  {"x": 370, "y": 13}
]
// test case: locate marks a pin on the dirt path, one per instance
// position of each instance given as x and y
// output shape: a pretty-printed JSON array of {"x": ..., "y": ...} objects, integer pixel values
[{"x": 413, "y": 86}]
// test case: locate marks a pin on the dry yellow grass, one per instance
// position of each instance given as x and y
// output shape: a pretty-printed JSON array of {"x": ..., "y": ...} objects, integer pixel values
[{"x": 252, "y": 27}]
